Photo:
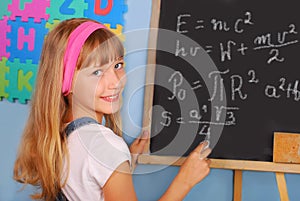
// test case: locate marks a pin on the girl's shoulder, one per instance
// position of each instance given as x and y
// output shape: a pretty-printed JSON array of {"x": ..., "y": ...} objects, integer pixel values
[
  {"x": 87, "y": 127},
  {"x": 97, "y": 133},
  {"x": 101, "y": 143}
]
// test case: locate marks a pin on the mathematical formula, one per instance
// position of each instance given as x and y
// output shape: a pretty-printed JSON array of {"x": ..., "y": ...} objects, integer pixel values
[
  {"x": 272, "y": 41},
  {"x": 281, "y": 89},
  {"x": 237, "y": 85}
]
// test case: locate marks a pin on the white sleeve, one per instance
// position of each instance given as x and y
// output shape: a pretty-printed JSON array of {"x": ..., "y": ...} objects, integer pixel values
[{"x": 106, "y": 151}]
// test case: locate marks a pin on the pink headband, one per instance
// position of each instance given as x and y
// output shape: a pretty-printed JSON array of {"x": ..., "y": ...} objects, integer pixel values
[{"x": 75, "y": 43}]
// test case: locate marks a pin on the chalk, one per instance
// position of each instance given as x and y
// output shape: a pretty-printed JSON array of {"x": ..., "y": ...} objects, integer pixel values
[{"x": 205, "y": 150}]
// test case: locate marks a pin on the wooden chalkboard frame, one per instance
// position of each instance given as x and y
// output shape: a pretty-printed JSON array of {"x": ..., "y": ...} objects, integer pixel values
[
  {"x": 237, "y": 165},
  {"x": 148, "y": 101}
]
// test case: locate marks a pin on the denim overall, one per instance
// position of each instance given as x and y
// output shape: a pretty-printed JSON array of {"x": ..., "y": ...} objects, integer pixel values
[{"x": 69, "y": 129}]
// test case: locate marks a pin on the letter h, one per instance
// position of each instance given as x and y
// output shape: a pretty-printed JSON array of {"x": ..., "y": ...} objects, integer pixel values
[{"x": 22, "y": 38}]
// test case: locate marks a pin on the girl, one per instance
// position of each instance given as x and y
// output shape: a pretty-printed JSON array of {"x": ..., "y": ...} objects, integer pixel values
[{"x": 65, "y": 147}]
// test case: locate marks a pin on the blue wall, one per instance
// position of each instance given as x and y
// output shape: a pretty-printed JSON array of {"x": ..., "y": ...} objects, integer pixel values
[{"x": 150, "y": 181}]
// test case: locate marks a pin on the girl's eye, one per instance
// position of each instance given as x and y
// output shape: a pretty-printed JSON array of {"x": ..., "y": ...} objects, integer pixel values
[
  {"x": 119, "y": 65},
  {"x": 97, "y": 72}
]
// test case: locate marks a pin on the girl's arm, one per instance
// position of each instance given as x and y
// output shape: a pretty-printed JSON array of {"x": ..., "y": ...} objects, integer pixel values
[
  {"x": 193, "y": 170},
  {"x": 120, "y": 186}
]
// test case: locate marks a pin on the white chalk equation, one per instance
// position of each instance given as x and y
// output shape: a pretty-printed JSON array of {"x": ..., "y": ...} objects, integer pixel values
[
  {"x": 256, "y": 63},
  {"x": 239, "y": 84},
  {"x": 237, "y": 26},
  {"x": 238, "y": 91},
  {"x": 272, "y": 41},
  {"x": 195, "y": 117}
]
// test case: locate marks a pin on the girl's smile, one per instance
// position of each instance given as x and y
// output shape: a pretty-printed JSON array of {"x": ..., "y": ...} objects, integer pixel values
[{"x": 111, "y": 98}]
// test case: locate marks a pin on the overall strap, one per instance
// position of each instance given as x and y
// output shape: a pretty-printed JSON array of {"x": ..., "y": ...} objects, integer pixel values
[
  {"x": 61, "y": 197},
  {"x": 68, "y": 130},
  {"x": 77, "y": 123}
]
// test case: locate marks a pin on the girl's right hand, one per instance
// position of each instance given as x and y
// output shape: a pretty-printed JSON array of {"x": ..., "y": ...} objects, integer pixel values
[
  {"x": 196, "y": 166},
  {"x": 192, "y": 171}
]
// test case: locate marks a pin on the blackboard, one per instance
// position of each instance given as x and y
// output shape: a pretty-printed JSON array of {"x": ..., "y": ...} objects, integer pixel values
[{"x": 254, "y": 46}]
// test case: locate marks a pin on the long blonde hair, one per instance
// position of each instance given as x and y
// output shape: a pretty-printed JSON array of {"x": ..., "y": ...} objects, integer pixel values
[{"x": 43, "y": 148}]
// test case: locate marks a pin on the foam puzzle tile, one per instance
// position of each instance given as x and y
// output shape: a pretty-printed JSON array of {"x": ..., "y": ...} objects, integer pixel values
[
  {"x": 26, "y": 39},
  {"x": 50, "y": 26},
  {"x": 65, "y": 9},
  {"x": 21, "y": 78},
  {"x": 3, "y": 82},
  {"x": 3, "y": 8},
  {"x": 5, "y": 28},
  {"x": 22, "y": 3},
  {"x": 106, "y": 11},
  {"x": 118, "y": 31},
  {"x": 35, "y": 9}
]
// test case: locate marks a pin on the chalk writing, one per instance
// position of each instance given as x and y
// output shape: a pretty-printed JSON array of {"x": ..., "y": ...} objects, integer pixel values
[
  {"x": 288, "y": 90},
  {"x": 194, "y": 117},
  {"x": 215, "y": 24},
  {"x": 226, "y": 48},
  {"x": 177, "y": 80}
]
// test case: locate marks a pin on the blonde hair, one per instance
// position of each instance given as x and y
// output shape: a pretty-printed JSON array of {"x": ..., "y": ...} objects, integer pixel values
[{"x": 43, "y": 148}]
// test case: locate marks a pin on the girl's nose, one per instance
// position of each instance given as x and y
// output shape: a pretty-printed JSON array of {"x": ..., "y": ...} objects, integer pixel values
[{"x": 113, "y": 79}]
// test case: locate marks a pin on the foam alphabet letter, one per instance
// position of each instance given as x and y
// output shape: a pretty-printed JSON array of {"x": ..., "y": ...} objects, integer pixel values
[{"x": 105, "y": 11}]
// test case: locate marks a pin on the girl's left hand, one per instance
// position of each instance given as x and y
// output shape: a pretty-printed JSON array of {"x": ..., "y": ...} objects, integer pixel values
[{"x": 138, "y": 145}]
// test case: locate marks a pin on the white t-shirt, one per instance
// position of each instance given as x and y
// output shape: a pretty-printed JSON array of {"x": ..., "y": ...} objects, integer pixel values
[{"x": 95, "y": 152}]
